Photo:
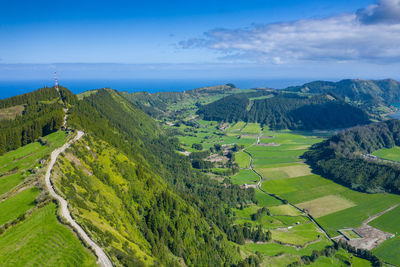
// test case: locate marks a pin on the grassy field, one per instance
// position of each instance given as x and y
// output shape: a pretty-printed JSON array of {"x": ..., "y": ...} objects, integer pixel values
[
  {"x": 388, "y": 153},
  {"x": 242, "y": 159},
  {"x": 294, "y": 170},
  {"x": 17, "y": 205},
  {"x": 388, "y": 222},
  {"x": 41, "y": 241},
  {"x": 274, "y": 249},
  {"x": 10, "y": 181},
  {"x": 389, "y": 251},
  {"x": 245, "y": 177},
  {"x": 28, "y": 156},
  {"x": 326, "y": 205},
  {"x": 252, "y": 128}
]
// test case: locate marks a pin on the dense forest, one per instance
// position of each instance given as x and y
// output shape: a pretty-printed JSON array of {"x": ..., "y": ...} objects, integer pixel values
[
  {"x": 203, "y": 204},
  {"x": 344, "y": 157},
  {"x": 42, "y": 114},
  {"x": 286, "y": 111}
]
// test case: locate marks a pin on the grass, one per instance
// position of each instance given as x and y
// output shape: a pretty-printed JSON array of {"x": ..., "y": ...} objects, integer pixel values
[
  {"x": 27, "y": 156},
  {"x": 41, "y": 241},
  {"x": 245, "y": 177},
  {"x": 265, "y": 200},
  {"x": 236, "y": 127},
  {"x": 290, "y": 171},
  {"x": 11, "y": 112},
  {"x": 284, "y": 210},
  {"x": 389, "y": 251},
  {"x": 274, "y": 249},
  {"x": 252, "y": 128},
  {"x": 9, "y": 182},
  {"x": 298, "y": 235},
  {"x": 326, "y": 205},
  {"x": 388, "y": 222},
  {"x": 17, "y": 205},
  {"x": 350, "y": 234},
  {"x": 388, "y": 153},
  {"x": 242, "y": 159}
]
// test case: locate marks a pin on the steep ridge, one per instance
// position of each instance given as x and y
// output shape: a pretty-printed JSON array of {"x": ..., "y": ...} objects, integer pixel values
[{"x": 136, "y": 197}]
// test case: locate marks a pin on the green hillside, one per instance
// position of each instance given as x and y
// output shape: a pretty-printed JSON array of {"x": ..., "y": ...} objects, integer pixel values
[{"x": 285, "y": 111}]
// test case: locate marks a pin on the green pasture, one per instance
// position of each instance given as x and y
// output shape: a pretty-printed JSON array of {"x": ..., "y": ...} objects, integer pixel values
[
  {"x": 274, "y": 249},
  {"x": 388, "y": 153},
  {"x": 41, "y": 241},
  {"x": 252, "y": 128},
  {"x": 242, "y": 159},
  {"x": 27, "y": 156},
  {"x": 17, "y": 205},
  {"x": 245, "y": 177},
  {"x": 389, "y": 251},
  {"x": 388, "y": 222},
  {"x": 10, "y": 181}
]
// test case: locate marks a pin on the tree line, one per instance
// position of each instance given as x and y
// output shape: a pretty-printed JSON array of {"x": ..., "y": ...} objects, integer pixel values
[
  {"x": 343, "y": 157},
  {"x": 286, "y": 111}
]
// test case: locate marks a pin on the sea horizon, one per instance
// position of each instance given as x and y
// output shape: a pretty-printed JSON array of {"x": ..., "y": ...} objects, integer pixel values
[{"x": 9, "y": 88}]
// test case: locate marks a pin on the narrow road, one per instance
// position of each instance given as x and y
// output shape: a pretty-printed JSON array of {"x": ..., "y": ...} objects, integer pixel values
[
  {"x": 101, "y": 255},
  {"x": 275, "y": 196}
]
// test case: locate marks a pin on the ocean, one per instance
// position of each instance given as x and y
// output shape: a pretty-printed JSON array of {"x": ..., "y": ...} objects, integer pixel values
[{"x": 11, "y": 88}]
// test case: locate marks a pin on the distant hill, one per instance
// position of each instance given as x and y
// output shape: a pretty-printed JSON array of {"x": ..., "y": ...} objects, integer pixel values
[
  {"x": 343, "y": 157},
  {"x": 386, "y": 91},
  {"x": 285, "y": 110},
  {"x": 157, "y": 104}
]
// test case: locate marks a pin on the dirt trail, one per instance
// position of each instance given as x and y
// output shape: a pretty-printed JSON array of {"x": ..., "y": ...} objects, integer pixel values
[
  {"x": 370, "y": 219},
  {"x": 101, "y": 255}
]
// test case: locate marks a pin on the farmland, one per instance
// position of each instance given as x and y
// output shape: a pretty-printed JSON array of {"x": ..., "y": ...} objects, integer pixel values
[
  {"x": 41, "y": 240},
  {"x": 30, "y": 234},
  {"x": 277, "y": 159}
]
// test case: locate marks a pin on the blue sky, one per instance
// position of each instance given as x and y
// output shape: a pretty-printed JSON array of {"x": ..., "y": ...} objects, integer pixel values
[{"x": 199, "y": 39}]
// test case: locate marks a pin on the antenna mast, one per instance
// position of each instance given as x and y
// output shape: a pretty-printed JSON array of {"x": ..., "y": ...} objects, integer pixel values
[{"x": 56, "y": 81}]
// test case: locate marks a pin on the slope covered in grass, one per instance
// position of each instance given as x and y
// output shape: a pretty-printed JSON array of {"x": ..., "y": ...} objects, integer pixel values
[{"x": 41, "y": 240}]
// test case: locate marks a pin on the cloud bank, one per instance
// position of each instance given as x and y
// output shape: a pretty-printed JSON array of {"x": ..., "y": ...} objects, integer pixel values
[{"x": 371, "y": 34}]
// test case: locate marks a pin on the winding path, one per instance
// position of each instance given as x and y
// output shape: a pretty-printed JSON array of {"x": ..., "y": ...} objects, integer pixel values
[
  {"x": 275, "y": 196},
  {"x": 101, "y": 255}
]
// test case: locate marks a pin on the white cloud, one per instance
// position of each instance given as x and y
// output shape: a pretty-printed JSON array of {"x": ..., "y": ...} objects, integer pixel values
[{"x": 367, "y": 35}]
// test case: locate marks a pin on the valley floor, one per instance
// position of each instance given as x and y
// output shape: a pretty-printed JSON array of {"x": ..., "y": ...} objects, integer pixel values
[{"x": 276, "y": 159}]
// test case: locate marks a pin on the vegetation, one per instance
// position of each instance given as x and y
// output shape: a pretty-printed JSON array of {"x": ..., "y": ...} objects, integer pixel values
[
  {"x": 147, "y": 179},
  {"x": 41, "y": 240},
  {"x": 343, "y": 158},
  {"x": 285, "y": 111},
  {"x": 42, "y": 115}
]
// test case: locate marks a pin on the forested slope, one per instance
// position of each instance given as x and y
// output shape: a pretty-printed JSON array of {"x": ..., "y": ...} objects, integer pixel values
[
  {"x": 343, "y": 157},
  {"x": 42, "y": 114},
  {"x": 286, "y": 111},
  {"x": 140, "y": 199}
]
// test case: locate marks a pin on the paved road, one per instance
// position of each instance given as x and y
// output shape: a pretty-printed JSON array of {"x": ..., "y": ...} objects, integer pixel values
[
  {"x": 272, "y": 195},
  {"x": 102, "y": 257}
]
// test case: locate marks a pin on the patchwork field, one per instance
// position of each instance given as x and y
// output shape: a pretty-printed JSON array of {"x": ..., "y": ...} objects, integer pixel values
[
  {"x": 326, "y": 205},
  {"x": 284, "y": 174}
]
